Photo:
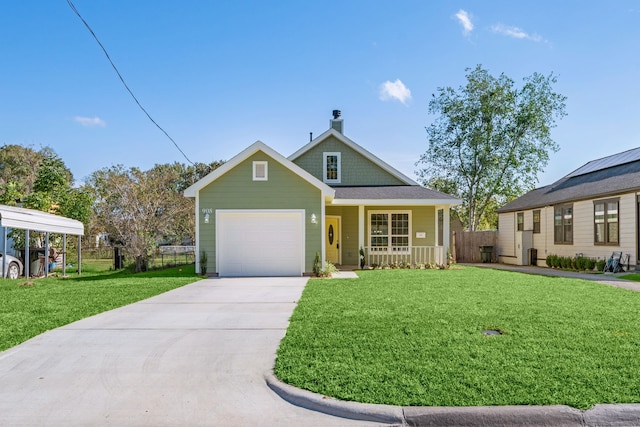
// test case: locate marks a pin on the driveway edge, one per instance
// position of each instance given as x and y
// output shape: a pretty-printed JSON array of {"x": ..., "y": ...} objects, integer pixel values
[{"x": 601, "y": 415}]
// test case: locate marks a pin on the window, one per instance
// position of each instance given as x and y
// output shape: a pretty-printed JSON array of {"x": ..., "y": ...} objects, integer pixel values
[
  {"x": 260, "y": 171},
  {"x": 536, "y": 221},
  {"x": 389, "y": 231},
  {"x": 520, "y": 221},
  {"x": 331, "y": 168},
  {"x": 605, "y": 222},
  {"x": 563, "y": 224}
]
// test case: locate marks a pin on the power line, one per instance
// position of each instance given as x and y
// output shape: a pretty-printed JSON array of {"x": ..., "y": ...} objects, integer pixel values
[{"x": 73, "y": 7}]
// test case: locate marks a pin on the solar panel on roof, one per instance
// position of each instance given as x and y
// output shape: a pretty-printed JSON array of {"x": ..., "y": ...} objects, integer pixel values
[{"x": 607, "y": 162}]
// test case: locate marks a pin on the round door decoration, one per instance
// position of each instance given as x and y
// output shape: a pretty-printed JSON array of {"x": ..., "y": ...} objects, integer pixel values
[{"x": 331, "y": 234}]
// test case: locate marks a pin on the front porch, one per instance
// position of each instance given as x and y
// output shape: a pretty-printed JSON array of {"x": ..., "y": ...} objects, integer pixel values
[{"x": 389, "y": 236}]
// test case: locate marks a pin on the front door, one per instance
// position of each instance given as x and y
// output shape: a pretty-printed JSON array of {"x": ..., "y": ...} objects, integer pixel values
[{"x": 332, "y": 239}]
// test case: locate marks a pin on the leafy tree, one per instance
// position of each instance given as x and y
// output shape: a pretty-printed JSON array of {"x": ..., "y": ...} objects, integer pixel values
[
  {"x": 489, "y": 141},
  {"x": 139, "y": 209},
  {"x": 18, "y": 171},
  {"x": 40, "y": 180}
]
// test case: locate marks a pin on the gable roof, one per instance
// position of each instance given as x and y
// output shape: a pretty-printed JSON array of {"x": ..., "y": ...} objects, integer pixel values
[
  {"x": 600, "y": 182},
  {"x": 332, "y": 132},
  {"x": 192, "y": 191},
  {"x": 392, "y": 195}
]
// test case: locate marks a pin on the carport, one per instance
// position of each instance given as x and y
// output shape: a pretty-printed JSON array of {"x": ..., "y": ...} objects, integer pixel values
[{"x": 32, "y": 220}]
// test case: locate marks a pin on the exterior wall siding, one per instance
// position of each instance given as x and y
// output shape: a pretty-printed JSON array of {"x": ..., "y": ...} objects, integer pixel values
[
  {"x": 355, "y": 168},
  {"x": 237, "y": 190},
  {"x": 506, "y": 237},
  {"x": 583, "y": 232}
]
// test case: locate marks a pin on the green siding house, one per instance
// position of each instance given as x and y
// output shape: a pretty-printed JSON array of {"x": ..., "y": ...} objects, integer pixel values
[{"x": 261, "y": 214}]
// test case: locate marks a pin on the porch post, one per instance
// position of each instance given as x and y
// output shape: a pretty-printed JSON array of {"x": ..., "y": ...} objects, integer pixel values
[
  {"x": 361, "y": 227},
  {"x": 446, "y": 232},
  {"x": 323, "y": 240}
]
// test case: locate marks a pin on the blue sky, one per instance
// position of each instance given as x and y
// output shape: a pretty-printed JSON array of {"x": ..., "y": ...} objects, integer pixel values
[{"x": 219, "y": 75}]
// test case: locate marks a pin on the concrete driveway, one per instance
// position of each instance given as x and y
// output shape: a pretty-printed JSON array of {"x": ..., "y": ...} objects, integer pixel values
[{"x": 194, "y": 356}]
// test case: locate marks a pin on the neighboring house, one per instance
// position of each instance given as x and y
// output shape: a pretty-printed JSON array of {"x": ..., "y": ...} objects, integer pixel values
[
  {"x": 261, "y": 214},
  {"x": 593, "y": 211}
]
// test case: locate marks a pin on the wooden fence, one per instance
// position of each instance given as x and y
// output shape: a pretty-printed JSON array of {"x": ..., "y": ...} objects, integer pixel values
[{"x": 466, "y": 245}]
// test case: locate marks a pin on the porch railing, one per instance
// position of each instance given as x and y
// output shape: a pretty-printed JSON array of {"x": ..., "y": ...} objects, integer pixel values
[{"x": 403, "y": 255}]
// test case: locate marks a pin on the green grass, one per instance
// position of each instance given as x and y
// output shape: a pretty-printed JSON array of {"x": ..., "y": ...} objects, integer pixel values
[
  {"x": 27, "y": 311},
  {"x": 407, "y": 337}
]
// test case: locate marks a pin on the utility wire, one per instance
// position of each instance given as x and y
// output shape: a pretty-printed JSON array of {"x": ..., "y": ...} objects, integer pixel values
[{"x": 73, "y": 7}]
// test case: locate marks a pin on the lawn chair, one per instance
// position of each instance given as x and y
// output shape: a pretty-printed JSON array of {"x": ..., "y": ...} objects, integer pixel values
[{"x": 614, "y": 263}]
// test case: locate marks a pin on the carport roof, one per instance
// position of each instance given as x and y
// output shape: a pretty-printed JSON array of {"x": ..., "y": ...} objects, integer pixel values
[{"x": 29, "y": 219}]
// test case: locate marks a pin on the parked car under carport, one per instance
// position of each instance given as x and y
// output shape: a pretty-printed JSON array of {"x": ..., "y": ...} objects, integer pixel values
[{"x": 13, "y": 267}]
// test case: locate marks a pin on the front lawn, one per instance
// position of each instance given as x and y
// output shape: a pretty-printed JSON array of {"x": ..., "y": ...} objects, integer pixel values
[
  {"x": 30, "y": 307},
  {"x": 415, "y": 338}
]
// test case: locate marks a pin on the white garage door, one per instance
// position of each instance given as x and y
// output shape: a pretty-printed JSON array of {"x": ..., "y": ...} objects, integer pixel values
[{"x": 260, "y": 243}]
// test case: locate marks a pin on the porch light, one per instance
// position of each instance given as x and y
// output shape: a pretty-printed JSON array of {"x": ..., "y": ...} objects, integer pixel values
[{"x": 314, "y": 220}]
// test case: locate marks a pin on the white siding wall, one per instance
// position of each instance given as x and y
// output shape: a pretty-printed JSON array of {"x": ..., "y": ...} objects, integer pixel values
[
  {"x": 507, "y": 237},
  {"x": 582, "y": 232}
]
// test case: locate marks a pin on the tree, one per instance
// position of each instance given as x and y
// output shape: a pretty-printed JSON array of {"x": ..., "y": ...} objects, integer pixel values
[
  {"x": 489, "y": 141},
  {"x": 139, "y": 209},
  {"x": 18, "y": 171},
  {"x": 40, "y": 180}
]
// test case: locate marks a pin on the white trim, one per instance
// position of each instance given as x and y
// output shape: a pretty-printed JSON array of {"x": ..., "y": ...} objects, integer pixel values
[
  {"x": 327, "y": 192},
  {"x": 259, "y": 211},
  {"x": 355, "y": 147},
  {"x": 263, "y": 163},
  {"x": 325, "y": 155},
  {"x": 323, "y": 243},
  {"x": 389, "y": 235},
  {"x": 198, "y": 236},
  {"x": 361, "y": 225},
  {"x": 396, "y": 202},
  {"x": 339, "y": 218}
]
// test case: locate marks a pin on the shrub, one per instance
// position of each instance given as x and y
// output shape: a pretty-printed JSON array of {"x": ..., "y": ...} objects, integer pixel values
[
  {"x": 600, "y": 264},
  {"x": 549, "y": 260},
  {"x": 329, "y": 269},
  {"x": 317, "y": 265}
]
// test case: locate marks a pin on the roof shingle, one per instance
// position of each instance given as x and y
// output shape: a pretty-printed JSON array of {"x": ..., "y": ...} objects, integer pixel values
[{"x": 618, "y": 179}]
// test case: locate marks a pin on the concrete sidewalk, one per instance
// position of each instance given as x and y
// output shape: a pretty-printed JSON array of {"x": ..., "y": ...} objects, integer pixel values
[
  {"x": 194, "y": 356},
  {"x": 610, "y": 279}
]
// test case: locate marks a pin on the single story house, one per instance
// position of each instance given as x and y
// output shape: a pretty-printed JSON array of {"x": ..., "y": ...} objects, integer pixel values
[
  {"x": 593, "y": 211},
  {"x": 262, "y": 214}
]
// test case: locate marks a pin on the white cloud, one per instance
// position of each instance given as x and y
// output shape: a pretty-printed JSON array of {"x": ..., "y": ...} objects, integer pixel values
[
  {"x": 90, "y": 121},
  {"x": 465, "y": 20},
  {"x": 394, "y": 90},
  {"x": 515, "y": 32}
]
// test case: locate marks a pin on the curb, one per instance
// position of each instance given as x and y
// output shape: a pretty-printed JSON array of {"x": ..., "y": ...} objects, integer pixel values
[
  {"x": 328, "y": 405},
  {"x": 601, "y": 415}
]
